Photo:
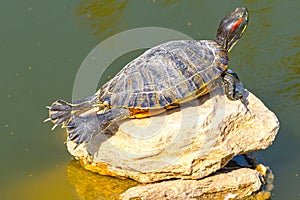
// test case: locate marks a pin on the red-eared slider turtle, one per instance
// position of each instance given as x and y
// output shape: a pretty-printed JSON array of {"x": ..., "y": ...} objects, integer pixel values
[{"x": 161, "y": 78}]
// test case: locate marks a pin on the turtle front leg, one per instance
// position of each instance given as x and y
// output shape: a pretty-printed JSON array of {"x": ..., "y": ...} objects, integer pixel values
[
  {"x": 82, "y": 129},
  {"x": 232, "y": 85},
  {"x": 61, "y": 111}
]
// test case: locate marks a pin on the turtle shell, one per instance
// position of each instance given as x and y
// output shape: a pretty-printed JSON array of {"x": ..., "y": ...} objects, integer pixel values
[{"x": 169, "y": 73}]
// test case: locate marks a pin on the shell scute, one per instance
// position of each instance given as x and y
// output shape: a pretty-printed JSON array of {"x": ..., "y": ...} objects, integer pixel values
[{"x": 166, "y": 74}]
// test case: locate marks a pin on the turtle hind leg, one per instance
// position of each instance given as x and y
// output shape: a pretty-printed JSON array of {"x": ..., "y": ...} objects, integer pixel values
[
  {"x": 61, "y": 111},
  {"x": 82, "y": 129}
]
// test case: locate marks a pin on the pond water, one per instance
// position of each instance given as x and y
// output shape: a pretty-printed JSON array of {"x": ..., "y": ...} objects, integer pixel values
[{"x": 43, "y": 44}]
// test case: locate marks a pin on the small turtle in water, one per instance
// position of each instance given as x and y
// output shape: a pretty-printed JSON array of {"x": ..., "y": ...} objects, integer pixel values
[{"x": 161, "y": 78}]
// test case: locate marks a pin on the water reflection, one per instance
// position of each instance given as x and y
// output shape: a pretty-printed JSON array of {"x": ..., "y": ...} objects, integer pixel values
[
  {"x": 108, "y": 17},
  {"x": 167, "y": 2},
  {"x": 291, "y": 63},
  {"x": 102, "y": 16},
  {"x": 91, "y": 186}
]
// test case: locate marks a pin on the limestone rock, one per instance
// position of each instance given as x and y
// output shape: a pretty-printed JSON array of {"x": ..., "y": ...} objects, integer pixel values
[
  {"x": 238, "y": 179},
  {"x": 187, "y": 143},
  {"x": 235, "y": 184}
]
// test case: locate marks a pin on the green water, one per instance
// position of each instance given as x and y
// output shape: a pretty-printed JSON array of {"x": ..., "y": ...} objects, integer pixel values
[{"x": 43, "y": 44}]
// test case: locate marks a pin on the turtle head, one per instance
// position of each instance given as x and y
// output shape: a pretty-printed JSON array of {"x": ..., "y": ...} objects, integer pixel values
[{"x": 232, "y": 28}]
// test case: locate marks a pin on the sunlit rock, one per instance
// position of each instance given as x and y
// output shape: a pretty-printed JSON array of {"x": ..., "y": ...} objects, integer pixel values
[
  {"x": 235, "y": 184},
  {"x": 187, "y": 143},
  {"x": 241, "y": 178}
]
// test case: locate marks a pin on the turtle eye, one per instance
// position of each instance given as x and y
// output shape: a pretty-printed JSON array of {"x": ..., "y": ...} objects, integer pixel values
[{"x": 237, "y": 23}]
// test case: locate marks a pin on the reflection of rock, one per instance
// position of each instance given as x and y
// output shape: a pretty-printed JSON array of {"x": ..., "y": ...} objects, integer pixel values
[
  {"x": 102, "y": 16},
  {"x": 188, "y": 144},
  {"x": 92, "y": 186}
]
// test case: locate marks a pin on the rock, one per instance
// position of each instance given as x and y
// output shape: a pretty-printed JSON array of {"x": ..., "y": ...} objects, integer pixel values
[
  {"x": 236, "y": 184},
  {"x": 232, "y": 181},
  {"x": 241, "y": 178},
  {"x": 187, "y": 143}
]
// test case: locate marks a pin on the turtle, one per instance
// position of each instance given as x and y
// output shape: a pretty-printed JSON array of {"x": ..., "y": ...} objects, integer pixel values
[{"x": 160, "y": 79}]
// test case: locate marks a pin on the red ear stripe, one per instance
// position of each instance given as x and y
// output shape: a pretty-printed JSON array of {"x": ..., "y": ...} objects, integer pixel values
[{"x": 236, "y": 24}]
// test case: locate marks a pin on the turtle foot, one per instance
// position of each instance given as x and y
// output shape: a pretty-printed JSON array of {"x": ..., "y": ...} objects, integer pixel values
[
  {"x": 59, "y": 112},
  {"x": 233, "y": 87},
  {"x": 82, "y": 129}
]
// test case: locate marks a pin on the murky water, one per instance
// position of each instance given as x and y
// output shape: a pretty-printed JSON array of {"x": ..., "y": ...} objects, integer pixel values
[{"x": 43, "y": 44}]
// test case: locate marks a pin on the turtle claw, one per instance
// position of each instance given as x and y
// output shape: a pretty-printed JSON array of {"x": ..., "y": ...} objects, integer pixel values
[
  {"x": 59, "y": 112},
  {"x": 48, "y": 119},
  {"x": 55, "y": 125}
]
